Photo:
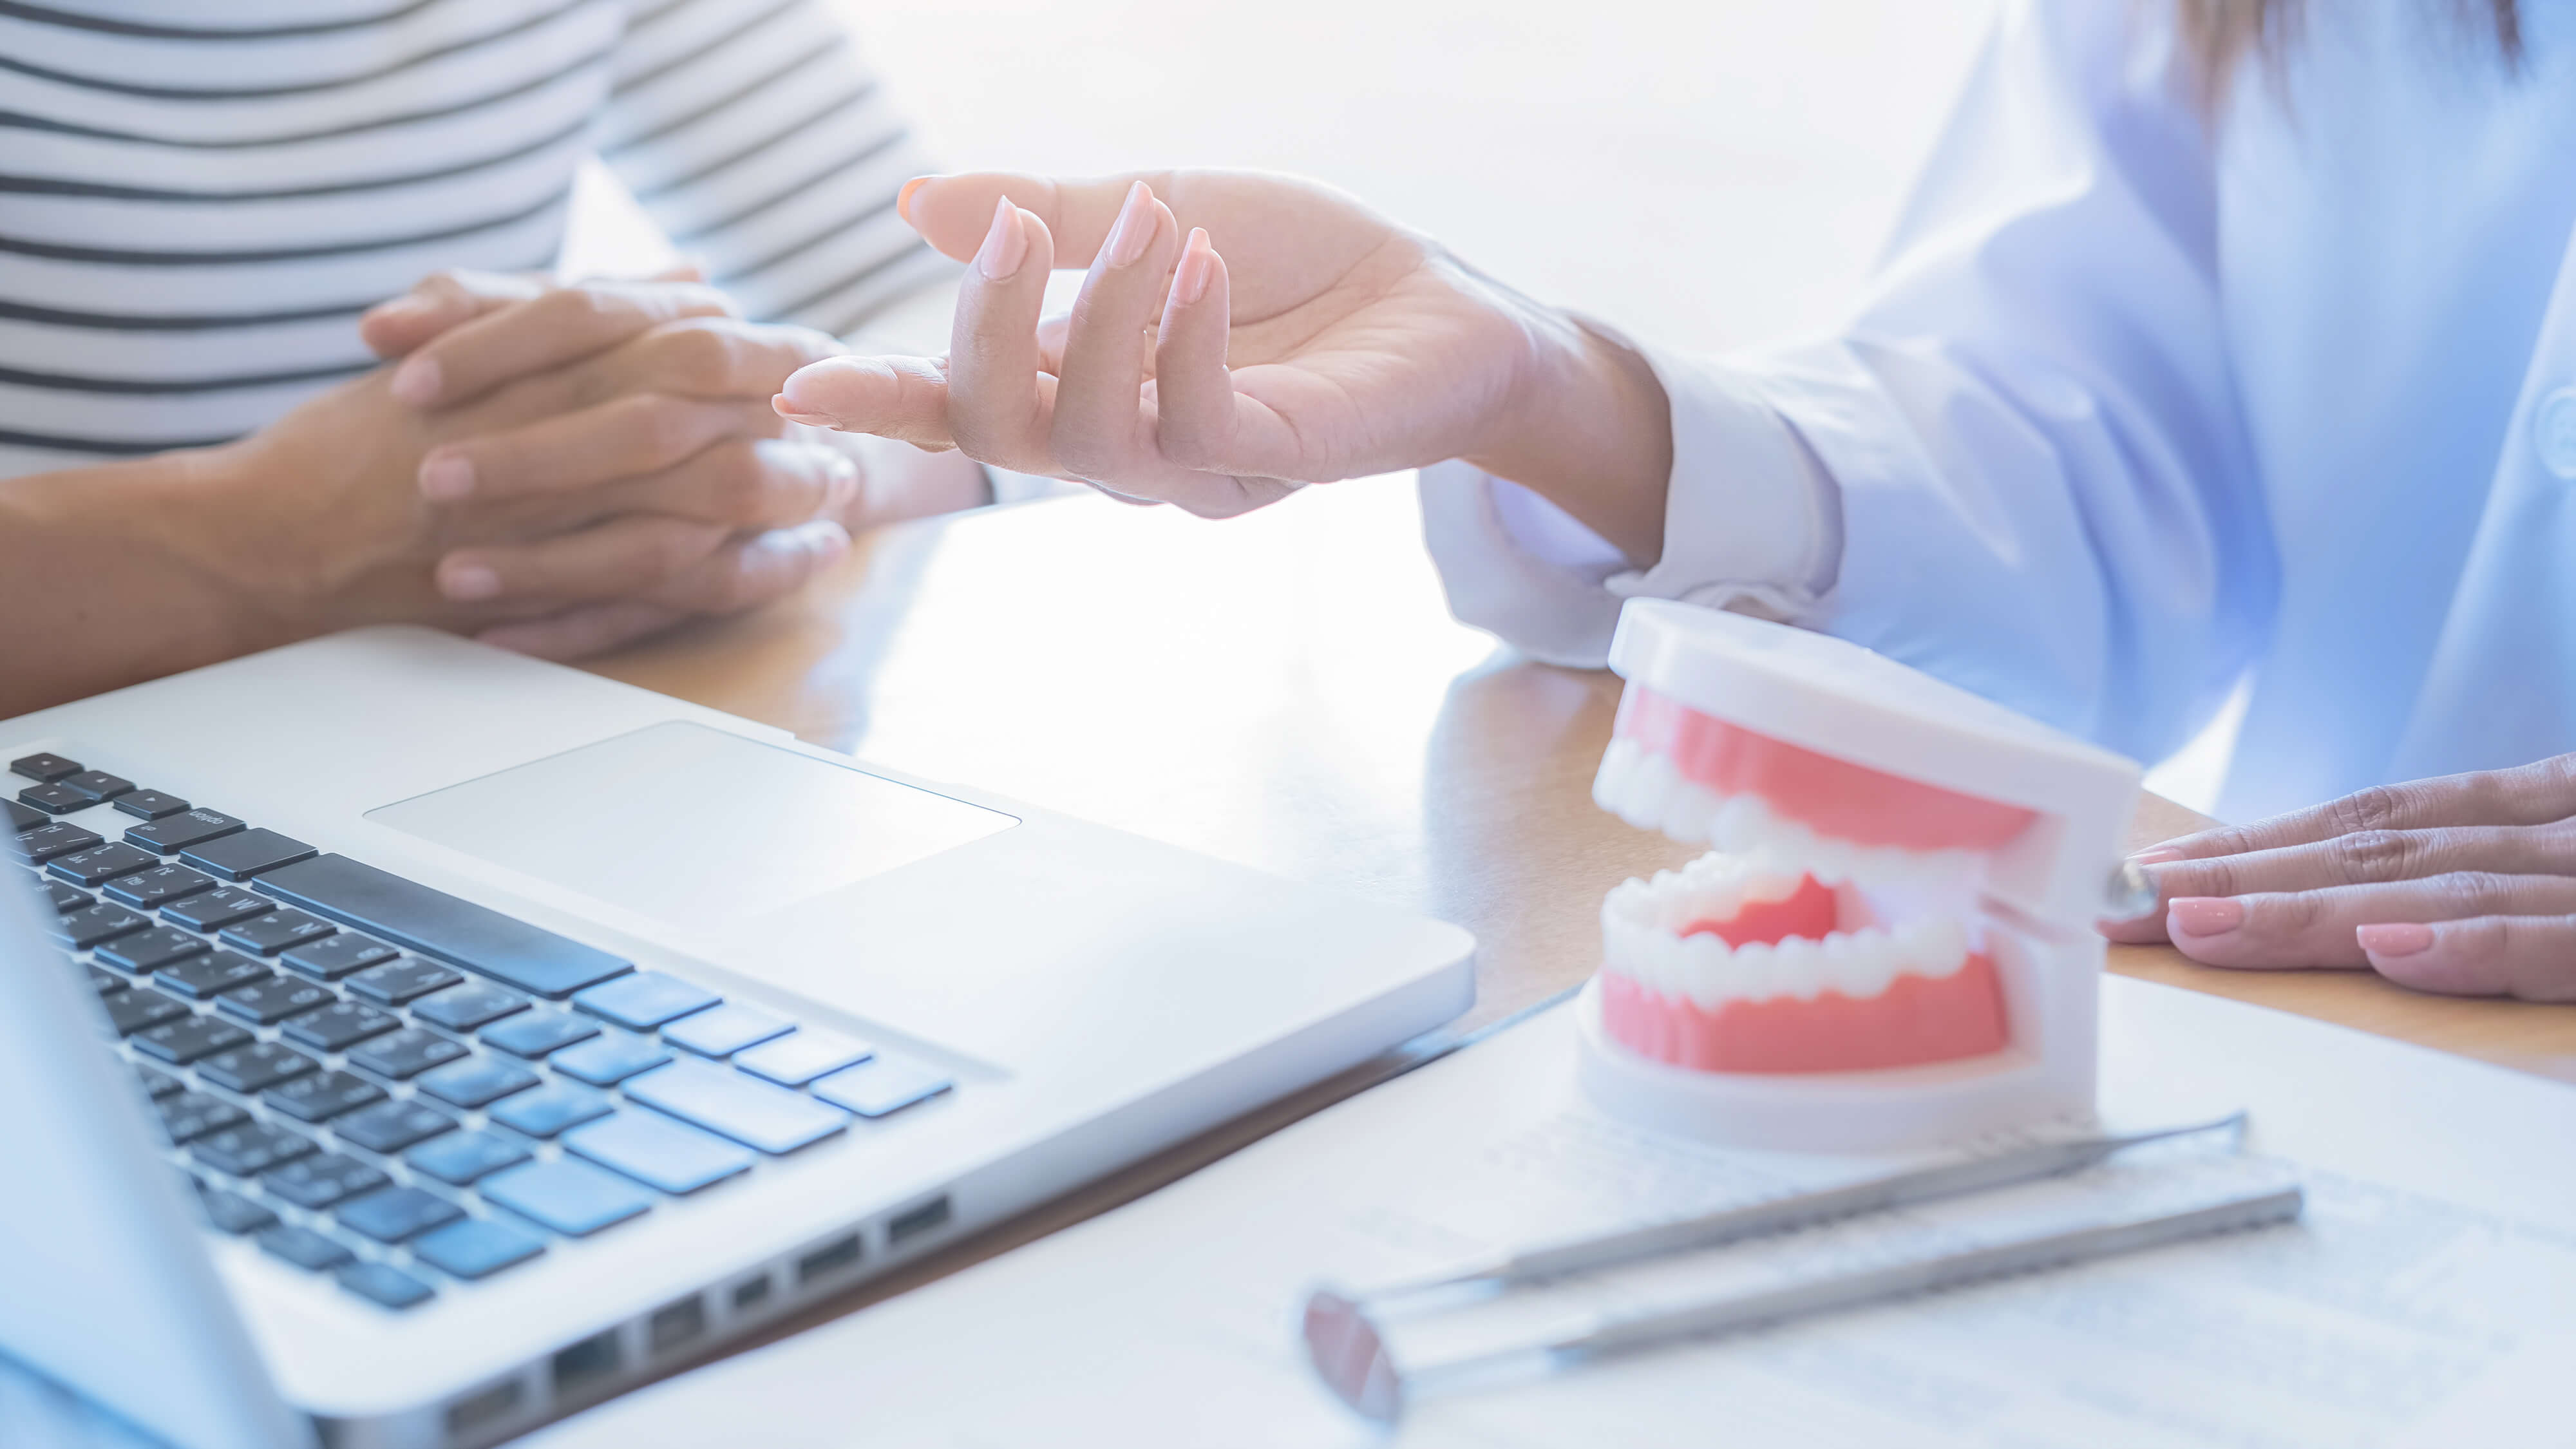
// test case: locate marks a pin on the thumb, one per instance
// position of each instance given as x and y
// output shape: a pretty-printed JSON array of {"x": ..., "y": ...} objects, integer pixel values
[{"x": 903, "y": 398}]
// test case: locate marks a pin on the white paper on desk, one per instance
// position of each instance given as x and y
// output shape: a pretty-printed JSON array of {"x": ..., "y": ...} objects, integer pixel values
[{"x": 2428, "y": 1298}]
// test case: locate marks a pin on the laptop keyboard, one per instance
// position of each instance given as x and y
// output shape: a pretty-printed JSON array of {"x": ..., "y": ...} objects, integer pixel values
[{"x": 389, "y": 1085}]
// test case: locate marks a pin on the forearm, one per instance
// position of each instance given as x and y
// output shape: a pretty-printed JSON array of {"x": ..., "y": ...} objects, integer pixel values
[
  {"x": 1587, "y": 427},
  {"x": 103, "y": 582}
]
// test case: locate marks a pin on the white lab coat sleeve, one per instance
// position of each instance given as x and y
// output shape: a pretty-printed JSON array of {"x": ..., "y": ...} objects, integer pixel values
[
  {"x": 2041, "y": 477},
  {"x": 1750, "y": 524}
]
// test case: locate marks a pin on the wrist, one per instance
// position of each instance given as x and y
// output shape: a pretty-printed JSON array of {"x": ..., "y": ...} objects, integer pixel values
[
  {"x": 1586, "y": 425},
  {"x": 205, "y": 516}
]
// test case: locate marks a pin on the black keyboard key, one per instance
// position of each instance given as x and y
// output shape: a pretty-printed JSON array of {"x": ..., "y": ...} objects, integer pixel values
[
  {"x": 55, "y": 799},
  {"x": 477, "y": 1248},
  {"x": 256, "y": 1067},
  {"x": 47, "y": 841},
  {"x": 44, "y": 769},
  {"x": 105, "y": 983},
  {"x": 397, "y": 983},
  {"x": 205, "y": 976},
  {"x": 325, "y": 1178},
  {"x": 90, "y": 925},
  {"x": 98, "y": 785},
  {"x": 152, "y": 889},
  {"x": 274, "y": 1000},
  {"x": 385, "y": 1286},
  {"x": 340, "y": 1026},
  {"x": 217, "y": 908},
  {"x": 17, "y": 817},
  {"x": 392, "y": 1126},
  {"x": 150, "y": 804},
  {"x": 182, "y": 1042},
  {"x": 187, "y": 1116},
  {"x": 277, "y": 931},
  {"x": 439, "y": 925},
  {"x": 133, "y": 1011},
  {"x": 250, "y": 1149},
  {"x": 230, "y": 1212},
  {"x": 153, "y": 949},
  {"x": 458, "y": 1158},
  {"x": 333, "y": 957},
  {"x": 468, "y": 1007},
  {"x": 66, "y": 900},
  {"x": 406, "y": 1054},
  {"x": 477, "y": 1081},
  {"x": 540, "y": 1032},
  {"x": 398, "y": 1215},
  {"x": 242, "y": 855},
  {"x": 172, "y": 834},
  {"x": 304, "y": 1248},
  {"x": 323, "y": 1096},
  {"x": 100, "y": 864},
  {"x": 157, "y": 1083}
]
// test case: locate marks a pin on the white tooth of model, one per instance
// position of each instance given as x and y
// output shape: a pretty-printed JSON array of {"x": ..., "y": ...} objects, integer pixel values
[{"x": 1825, "y": 697}]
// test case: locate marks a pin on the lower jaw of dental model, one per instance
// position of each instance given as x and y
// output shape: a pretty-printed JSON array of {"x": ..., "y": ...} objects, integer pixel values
[{"x": 1751, "y": 963}]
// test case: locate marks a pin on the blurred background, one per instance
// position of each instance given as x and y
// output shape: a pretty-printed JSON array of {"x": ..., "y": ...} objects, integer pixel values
[{"x": 1708, "y": 173}]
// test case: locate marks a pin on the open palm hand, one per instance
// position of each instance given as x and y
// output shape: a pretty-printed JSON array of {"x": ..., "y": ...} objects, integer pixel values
[{"x": 1289, "y": 336}]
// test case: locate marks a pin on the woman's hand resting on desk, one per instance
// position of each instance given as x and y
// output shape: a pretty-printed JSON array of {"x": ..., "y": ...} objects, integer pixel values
[
  {"x": 1240, "y": 335},
  {"x": 2465, "y": 884}
]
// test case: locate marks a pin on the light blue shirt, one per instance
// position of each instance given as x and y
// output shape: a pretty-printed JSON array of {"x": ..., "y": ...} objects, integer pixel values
[{"x": 2137, "y": 403}]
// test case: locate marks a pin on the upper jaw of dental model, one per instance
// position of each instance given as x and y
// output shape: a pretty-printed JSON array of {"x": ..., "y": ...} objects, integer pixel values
[{"x": 1703, "y": 781}]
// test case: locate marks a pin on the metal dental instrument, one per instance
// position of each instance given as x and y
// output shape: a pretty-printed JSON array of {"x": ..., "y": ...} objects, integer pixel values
[
  {"x": 1727, "y": 1225},
  {"x": 1350, "y": 1354}
]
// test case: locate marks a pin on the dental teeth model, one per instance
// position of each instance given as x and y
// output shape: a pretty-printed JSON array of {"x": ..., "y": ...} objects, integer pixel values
[{"x": 1892, "y": 941}]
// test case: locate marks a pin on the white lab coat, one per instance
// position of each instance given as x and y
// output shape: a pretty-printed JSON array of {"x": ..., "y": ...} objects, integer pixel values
[{"x": 2132, "y": 408}]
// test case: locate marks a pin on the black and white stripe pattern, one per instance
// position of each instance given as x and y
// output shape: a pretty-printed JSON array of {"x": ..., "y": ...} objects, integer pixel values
[{"x": 197, "y": 201}]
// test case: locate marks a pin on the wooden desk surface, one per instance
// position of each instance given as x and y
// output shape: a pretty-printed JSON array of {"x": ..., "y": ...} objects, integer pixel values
[{"x": 1287, "y": 690}]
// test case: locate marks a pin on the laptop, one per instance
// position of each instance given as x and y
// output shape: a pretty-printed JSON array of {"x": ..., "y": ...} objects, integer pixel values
[{"x": 407, "y": 1043}]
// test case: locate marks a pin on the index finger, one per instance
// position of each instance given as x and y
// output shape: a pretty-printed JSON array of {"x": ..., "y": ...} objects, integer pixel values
[
  {"x": 544, "y": 332},
  {"x": 953, "y": 213},
  {"x": 2536, "y": 794}
]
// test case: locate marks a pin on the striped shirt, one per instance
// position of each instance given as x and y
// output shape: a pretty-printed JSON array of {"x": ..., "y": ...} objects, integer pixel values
[{"x": 197, "y": 201}]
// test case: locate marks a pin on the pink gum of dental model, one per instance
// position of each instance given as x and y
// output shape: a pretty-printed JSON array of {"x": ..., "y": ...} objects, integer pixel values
[{"x": 1831, "y": 797}]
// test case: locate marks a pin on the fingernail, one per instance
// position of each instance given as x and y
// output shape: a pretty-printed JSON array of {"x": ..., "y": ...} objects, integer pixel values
[
  {"x": 2395, "y": 938},
  {"x": 468, "y": 582},
  {"x": 794, "y": 414},
  {"x": 2156, "y": 855},
  {"x": 445, "y": 477},
  {"x": 404, "y": 308},
  {"x": 800, "y": 396},
  {"x": 828, "y": 540},
  {"x": 1005, "y": 246},
  {"x": 1135, "y": 226},
  {"x": 416, "y": 382},
  {"x": 903, "y": 200},
  {"x": 1197, "y": 269},
  {"x": 2205, "y": 915}
]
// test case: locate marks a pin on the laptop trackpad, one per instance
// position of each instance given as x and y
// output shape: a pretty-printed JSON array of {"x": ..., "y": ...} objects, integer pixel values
[{"x": 692, "y": 826}]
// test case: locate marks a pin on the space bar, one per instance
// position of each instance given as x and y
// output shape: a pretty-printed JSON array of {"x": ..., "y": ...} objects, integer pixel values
[{"x": 435, "y": 923}]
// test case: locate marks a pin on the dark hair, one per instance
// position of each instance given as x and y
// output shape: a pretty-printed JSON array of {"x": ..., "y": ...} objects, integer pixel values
[{"x": 2219, "y": 34}]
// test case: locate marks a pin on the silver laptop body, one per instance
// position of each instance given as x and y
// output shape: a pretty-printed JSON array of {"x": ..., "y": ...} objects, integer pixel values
[{"x": 905, "y": 1011}]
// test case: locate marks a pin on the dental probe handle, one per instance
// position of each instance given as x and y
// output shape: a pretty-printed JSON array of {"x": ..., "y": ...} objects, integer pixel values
[
  {"x": 1897, "y": 1280},
  {"x": 1878, "y": 1194}
]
